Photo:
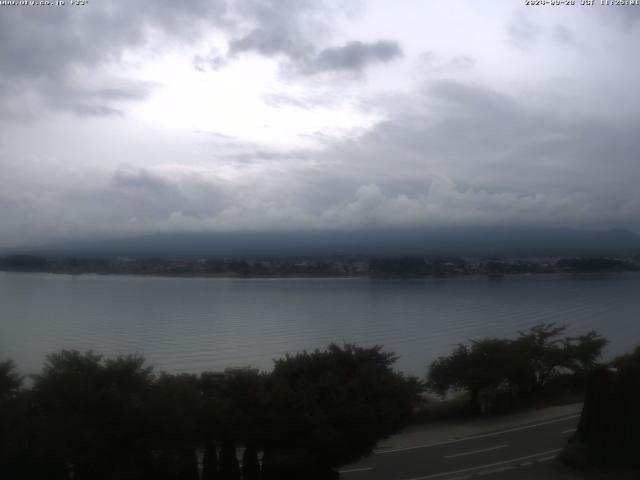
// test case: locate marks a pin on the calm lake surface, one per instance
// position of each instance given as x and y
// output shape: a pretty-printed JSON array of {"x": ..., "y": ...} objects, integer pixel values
[{"x": 196, "y": 324}]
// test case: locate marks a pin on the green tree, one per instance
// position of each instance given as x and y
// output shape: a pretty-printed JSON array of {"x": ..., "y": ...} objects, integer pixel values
[
  {"x": 234, "y": 404},
  {"x": 522, "y": 366},
  {"x": 583, "y": 352},
  {"x": 628, "y": 359},
  {"x": 484, "y": 366},
  {"x": 545, "y": 352},
  {"x": 328, "y": 408},
  {"x": 549, "y": 354},
  {"x": 12, "y": 420},
  {"x": 177, "y": 401},
  {"x": 10, "y": 380},
  {"x": 92, "y": 415}
]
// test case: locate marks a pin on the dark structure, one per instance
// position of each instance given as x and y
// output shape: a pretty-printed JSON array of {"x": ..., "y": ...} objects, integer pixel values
[{"x": 610, "y": 422}]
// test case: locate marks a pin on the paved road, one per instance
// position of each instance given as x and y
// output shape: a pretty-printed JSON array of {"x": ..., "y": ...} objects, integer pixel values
[{"x": 472, "y": 457}]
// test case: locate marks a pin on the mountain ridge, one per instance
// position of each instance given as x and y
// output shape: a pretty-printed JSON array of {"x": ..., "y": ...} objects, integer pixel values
[{"x": 462, "y": 241}]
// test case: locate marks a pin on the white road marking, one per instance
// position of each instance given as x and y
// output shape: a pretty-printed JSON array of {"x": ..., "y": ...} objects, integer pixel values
[
  {"x": 496, "y": 470},
  {"x": 353, "y": 470},
  {"x": 545, "y": 459},
  {"x": 474, "y": 437},
  {"x": 490, "y": 465},
  {"x": 571, "y": 430},
  {"x": 488, "y": 449}
]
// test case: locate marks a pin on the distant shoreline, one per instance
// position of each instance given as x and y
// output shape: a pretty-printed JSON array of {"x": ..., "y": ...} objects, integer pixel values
[
  {"x": 226, "y": 276},
  {"x": 399, "y": 267}
]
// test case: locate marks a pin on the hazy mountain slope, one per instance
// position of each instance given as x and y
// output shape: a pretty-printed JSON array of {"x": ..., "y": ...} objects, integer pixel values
[{"x": 500, "y": 241}]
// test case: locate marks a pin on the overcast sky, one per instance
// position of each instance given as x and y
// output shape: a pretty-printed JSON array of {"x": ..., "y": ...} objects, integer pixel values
[{"x": 137, "y": 116}]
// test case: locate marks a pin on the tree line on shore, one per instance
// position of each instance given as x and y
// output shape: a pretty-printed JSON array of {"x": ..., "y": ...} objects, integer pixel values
[
  {"x": 378, "y": 267},
  {"x": 498, "y": 372},
  {"x": 89, "y": 417}
]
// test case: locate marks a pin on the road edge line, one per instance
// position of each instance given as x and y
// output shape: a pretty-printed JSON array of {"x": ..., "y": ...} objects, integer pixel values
[{"x": 473, "y": 437}]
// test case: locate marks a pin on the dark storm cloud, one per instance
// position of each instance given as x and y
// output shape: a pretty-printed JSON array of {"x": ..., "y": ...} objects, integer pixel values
[
  {"x": 353, "y": 56},
  {"x": 128, "y": 91},
  {"x": 101, "y": 101},
  {"x": 94, "y": 110},
  {"x": 143, "y": 198},
  {"x": 292, "y": 29},
  {"x": 286, "y": 27},
  {"x": 139, "y": 179},
  {"x": 269, "y": 43}
]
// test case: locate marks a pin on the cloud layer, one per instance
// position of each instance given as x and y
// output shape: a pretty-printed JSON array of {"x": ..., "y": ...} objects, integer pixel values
[{"x": 150, "y": 116}]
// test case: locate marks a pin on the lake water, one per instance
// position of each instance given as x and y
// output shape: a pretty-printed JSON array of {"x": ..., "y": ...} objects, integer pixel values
[{"x": 196, "y": 324}]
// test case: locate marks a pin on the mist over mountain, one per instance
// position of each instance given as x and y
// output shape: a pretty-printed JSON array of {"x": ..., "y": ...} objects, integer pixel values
[{"x": 464, "y": 241}]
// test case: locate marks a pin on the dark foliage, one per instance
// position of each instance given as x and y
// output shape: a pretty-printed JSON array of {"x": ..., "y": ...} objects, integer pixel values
[
  {"x": 628, "y": 360},
  {"x": 229, "y": 466},
  {"x": 398, "y": 267},
  {"x": 90, "y": 415},
  {"x": 12, "y": 435},
  {"x": 25, "y": 263},
  {"x": 10, "y": 381},
  {"x": 87, "y": 417},
  {"x": 610, "y": 420},
  {"x": 495, "y": 368},
  {"x": 594, "y": 265},
  {"x": 210, "y": 460},
  {"x": 250, "y": 463},
  {"x": 335, "y": 405},
  {"x": 485, "y": 366}
]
